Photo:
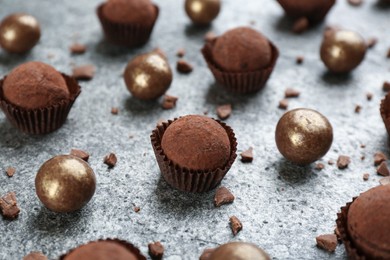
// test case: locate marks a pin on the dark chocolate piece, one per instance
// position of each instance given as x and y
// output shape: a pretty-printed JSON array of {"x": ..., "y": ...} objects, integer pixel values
[
  {"x": 319, "y": 166},
  {"x": 169, "y": 102},
  {"x": 369, "y": 96},
  {"x": 184, "y": 67},
  {"x": 343, "y": 161},
  {"x": 327, "y": 242},
  {"x": 358, "y": 108},
  {"x": 283, "y": 104},
  {"x": 366, "y": 176},
  {"x": 224, "y": 111},
  {"x": 84, "y": 72},
  {"x": 299, "y": 59},
  {"x": 114, "y": 110},
  {"x": 235, "y": 225},
  {"x": 382, "y": 169},
  {"x": 291, "y": 93},
  {"x": 223, "y": 196},
  {"x": 110, "y": 160},
  {"x": 8, "y": 206},
  {"x": 180, "y": 53},
  {"x": 77, "y": 48},
  {"x": 379, "y": 157},
  {"x": 247, "y": 156},
  {"x": 156, "y": 250},
  {"x": 10, "y": 171},
  {"x": 136, "y": 209}
]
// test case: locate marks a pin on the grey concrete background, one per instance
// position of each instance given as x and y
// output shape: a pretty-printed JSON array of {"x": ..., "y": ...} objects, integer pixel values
[{"x": 282, "y": 207}]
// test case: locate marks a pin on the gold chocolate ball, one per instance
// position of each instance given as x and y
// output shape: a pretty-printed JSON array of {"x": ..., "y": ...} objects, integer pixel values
[
  {"x": 148, "y": 76},
  {"x": 19, "y": 33},
  {"x": 65, "y": 183},
  {"x": 202, "y": 12},
  {"x": 239, "y": 251},
  {"x": 342, "y": 50},
  {"x": 303, "y": 136}
]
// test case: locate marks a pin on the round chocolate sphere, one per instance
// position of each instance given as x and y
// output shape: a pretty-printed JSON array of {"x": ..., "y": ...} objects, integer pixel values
[
  {"x": 19, "y": 33},
  {"x": 368, "y": 223},
  {"x": 202, "y": 12},
  {"x": 241, "y": 50},
  {"x": 239, "y": 251},
  {"x": 303, "y": 136},
  {"x": 196, "y": 143},
  {"x": 342, "y": 50},
  {"x": 34, "y": 85},
  {"x": 65, "y": 183},
  {"x": 148, "y": 76}
]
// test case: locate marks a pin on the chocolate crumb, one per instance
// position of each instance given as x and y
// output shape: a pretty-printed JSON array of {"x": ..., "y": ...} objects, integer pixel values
[
  {"x": 77, "y": 48},
  {"x": 379, "y": 157},
  {"x": 383, "y": 169},
  {"x": 366, "y": 176},
  {"x": 136, "y": 209},
  {"x": 362, "y": 157},
  {"x": 247, "y": 156},
  {"x": 114, "y": 110},
  {"x": 35, "y": 256},
  {"x": 223, "y": 196},
  {"x": 299, "y": 59},
  {"x": 362, "y": 146},
  {"x": 235, "y": 225},
  {"x": 343, "y": 161},
  {"x": 183, "y": 66},
  {"x": 181, "y": 52},
  {"x": 206, "y": 254},
  {"x": 371, "y": 42},
  {"x": 385, "y": 180},
  {"x": 80, "y": 153},
  {"x": 319, "y": 166},
  {"x": 386, "y": 86},
  {"x": 210, "y": 36},
  {"x": 331, "y": 162},
  {"x": 8, "y": 206},
  {"x": 338, "y": 234},
  {"x": 358, "y": 108},
  {"x": 85, "y": 72},
  {"x": 10, "y": 171},
  {"x": 300, "y": 25},
  {"x": 169, "y": 102},
  {"x": 283, "y": 104},
  {"x": 291, "y": 93},
  {"x": 327, "y": 242},
  {"x": 224, "y": 111},
  {"x": 110, "y": 160},
  {"x": 355, "y": 2},
  {"x": 388, "y": 53},
  {"x": 369, "y": 96},
  {"x": 156, "y": 250}
]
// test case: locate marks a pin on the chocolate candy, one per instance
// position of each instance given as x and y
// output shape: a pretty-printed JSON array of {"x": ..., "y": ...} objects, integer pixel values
[
  {"x": 303, "y": 136},
  {"x": 239, "y": 251},
  {"x": 202, "y": 12}
]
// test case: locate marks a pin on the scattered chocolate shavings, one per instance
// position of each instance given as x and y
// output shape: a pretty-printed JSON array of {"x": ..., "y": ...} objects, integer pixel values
[
  {"x": 180, "y": 52},
  {"x": 343, "y": 161},
  {"x": 338, "y": 234},
  {"x": 10, "y": 171},
  {"x": 319, "y": 166},
  {"x": 35, "y": 256},
  {"x": 291, "y": 93},
  {"x": 110, "y": 160},
  {"x": 379, "y": 157},
  {"x": 169, "y": 102},
  {"x": 247, "y": 156},
  {"x": 369, "y": 96},
  {"x": 362, "y": 157},
  {"x": 355, "y": 2},
  {"x": 85, "y": 72},
  {"x": 210, "y": 36},
  {"x": 184, "y": 67},
  {"x": 358, "y": 108},
  {"x": 283, "y": 104},
  {"x": 300, "y": 25},
  {"x": 235, "y": 225},
  {"x": 383, "y": 169},
  {"x": 385, "y": 180},
  {"x": 114, "y": 110},
  {"x": 206, "y": 254},
  {"x": 366, "y": 176},
  {"x": 327, "y": 242},
  {"x": 156, "y": 250},
  {"x": 223, "y": 196},
  {"x": 77, "y": 48},
  {"x": 299, "y": 59},
  {"x": 224, "y": 111},
  {"x": 8, "y": 206},
  {"x": 331, "y": 162},
  {"x": 362, "y": 146},
  {"x": 80, "y": 153},
  {"x": 136, "y": 209},
  {"x": 386, "y": 86},
  {"x": 371, "y": 42}
]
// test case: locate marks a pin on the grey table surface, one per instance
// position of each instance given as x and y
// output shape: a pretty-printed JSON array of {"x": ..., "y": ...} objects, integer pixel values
[{"x": 282, "y": 207}]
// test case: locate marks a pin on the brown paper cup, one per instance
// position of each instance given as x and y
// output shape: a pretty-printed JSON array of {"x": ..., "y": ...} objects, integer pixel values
[
  {"x": 129, "y": 35},
  {"x": 240, "y": 82},
  {"x": 126, "y": 244},
  {"x": 44, "y": 120},
  {"x": 293, "y": 9},
  {"x": 185, "y": 179},
  {"x": 385, "y": 112}
]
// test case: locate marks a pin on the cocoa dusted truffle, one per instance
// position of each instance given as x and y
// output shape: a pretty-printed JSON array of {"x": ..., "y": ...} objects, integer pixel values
[
  {"x": 105, "y": 249},
  {"x": 364, "y": 225},
  {"x": 239, "y": 251},
  {"x": 130, "y": 11},
  {"x": 314, "y": 11},
  {"x": 194, "y": 152}
]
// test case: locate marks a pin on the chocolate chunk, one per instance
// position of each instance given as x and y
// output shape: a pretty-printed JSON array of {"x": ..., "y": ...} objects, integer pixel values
[
  {"x": 35, "y": 256},
  {"x": 388, "y": 53},
  {"x": 343, "y": 161},
  {"x": 299, "y": 59},
  {"x": 224, "y": 111},
  {"x": 355, "y": 2},
  {"x": 372, "y": 42},
  {"x": 291, "y": 93},
  {"x": 319, "y": 166},
  {"x": 366, "y": 176},
  {"x": 114, "y": 110},
  {"x": 362, "y": 157},
  {"x": 169, "y": 102},
  {"x": 136, "y": 209},
  {"x": 156, "y": 250},
  {"x": 235, "y": 225},
  {"x": 383, "y": 169},
  {"x": 358, "y": 108},
  {"x": 385, "y": 180},
  {"x": 10, "y": 171},
  {"x": 110, "y": 160},
  {"x": 77, "y": 48},
  {"x": 183, "y": 66},
  {"x": 327, "y": 242},
  {"x": 85, "y": 72},
  {"x": 247, "y": 156},
  {"x": 300, "y": 25},
  {"x": 331, "y": 162},
  {"x": 386, "y": 86},
  {"x": 181, "y": 52},
  {"x": 210, "y": 36},
  {"x": 369, "y": 96},
  {"x": 362, "y": 146},
  {"x": 223, "y": 196},
  {"x": 379, "y": 157},
  {"x": 283, "y": 104},
  {"x": 206, "y": 254},
  {"x": 8, "y": 206},
  {"x": 80, "y": 153},
  {"x": 337, "y": 233}
]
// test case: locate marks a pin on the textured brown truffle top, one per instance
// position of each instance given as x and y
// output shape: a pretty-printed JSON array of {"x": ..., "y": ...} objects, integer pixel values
[
  {"x": 238, "y": 251},
  {"x": 242, "y": 49},
  {"x": 34, "y": 85},
  {"x": 130, "y": 11},
  {"x": 313, "y": 10},
  {"x": 101, "y": 250},
  {"x": 196, "y": 143},
  {"x": 368, "y": 223}
]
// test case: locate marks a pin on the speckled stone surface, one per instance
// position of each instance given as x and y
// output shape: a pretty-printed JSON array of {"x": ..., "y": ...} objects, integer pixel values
[{"x": 282, "y": 207}]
